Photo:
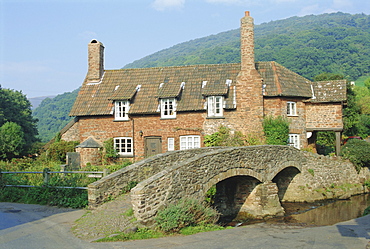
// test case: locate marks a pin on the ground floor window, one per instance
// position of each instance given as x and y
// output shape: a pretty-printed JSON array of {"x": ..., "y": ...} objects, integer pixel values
[
  {"x": 294, "y": 140},
  {"x": 123, "y": 146},
  {"x": 170, "y": 144},
  {"x": 189, "y": 142}
]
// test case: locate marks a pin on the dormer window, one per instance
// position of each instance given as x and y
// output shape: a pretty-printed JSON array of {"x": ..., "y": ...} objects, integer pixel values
[
  {"x": 215, "y": 106},
  {"x": 291, "y": 109},
  {"x": 168, "y": 108},
  {"x": 121, "y": 109}
]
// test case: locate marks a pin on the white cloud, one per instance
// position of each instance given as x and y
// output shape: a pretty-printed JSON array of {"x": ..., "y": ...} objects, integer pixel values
[{"x": 162, "y": 5}]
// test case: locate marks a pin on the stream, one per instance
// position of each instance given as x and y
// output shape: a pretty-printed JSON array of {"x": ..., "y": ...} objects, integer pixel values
[{"x": 322, "y": 213}]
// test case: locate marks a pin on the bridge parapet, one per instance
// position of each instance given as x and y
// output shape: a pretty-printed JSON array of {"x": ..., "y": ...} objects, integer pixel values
[{"x": 191, "y": 178}]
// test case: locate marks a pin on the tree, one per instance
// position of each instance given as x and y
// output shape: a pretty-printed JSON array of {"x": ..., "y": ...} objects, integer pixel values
[
  {"x": 52, "y": 114},
  {"x": 16, "y": 108},
  {"x": 367, "y": 83},
  {"x": 328, "y": 76},
  {"x": 351, "y": 114},
  {"x": 11, "y": 140}
]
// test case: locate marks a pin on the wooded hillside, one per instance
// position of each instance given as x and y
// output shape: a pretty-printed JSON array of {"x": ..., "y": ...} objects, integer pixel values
[{"x": 336, "y": 43}]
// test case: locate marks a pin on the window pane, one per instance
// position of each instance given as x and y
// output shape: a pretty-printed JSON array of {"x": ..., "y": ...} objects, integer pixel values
[
  {"x": 171, "y": 144},
  {"x": 196, "y": 142},
  {"x": 123, "y": 145},
  {"x": 189, "y": 142}
]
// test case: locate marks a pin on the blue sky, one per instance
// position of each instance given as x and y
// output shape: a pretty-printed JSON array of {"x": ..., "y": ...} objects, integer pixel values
[{"x": 43, "y": 43}]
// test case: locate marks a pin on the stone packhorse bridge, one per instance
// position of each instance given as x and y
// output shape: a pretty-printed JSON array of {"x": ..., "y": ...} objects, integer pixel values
[{"x": 249, "y": 180}]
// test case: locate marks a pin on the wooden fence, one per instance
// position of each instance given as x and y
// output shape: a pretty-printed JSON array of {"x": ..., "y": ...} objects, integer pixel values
[{"x": 46, "y": 175}]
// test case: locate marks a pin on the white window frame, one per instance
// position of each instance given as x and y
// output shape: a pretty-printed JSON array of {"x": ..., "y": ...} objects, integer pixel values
[
  {"x": 124, "y": 146},
  {"x": 215, "y": 106},
  {"x": 170, "y": 144},
  {"x": 291, "y": 108},
  {"x": 189, "y": 142},
  {"x": 121, "y": 109},
  {"x": 294, "y": 140},
  {"x": 168, "y": 108}
]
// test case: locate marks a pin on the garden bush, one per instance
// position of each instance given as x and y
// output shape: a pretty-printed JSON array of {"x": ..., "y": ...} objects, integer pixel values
[
  {"x": 367, "y": 211},
  {"x": 58, "y": 150},
  {"x": 358, "y": 152},
  {"x": 224, "y": 137},
  {"x": 109, "y": 154},
  {"x": 42, "y": 195},
  {"x": 186, "y": 212},
  {"x": 276, "y": 130}
]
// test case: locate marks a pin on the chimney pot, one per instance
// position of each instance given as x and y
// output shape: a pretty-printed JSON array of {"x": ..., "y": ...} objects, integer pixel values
[{"x": 247, "y": 13}]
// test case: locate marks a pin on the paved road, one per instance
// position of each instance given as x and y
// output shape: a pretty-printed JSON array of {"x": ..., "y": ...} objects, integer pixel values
[{"x": 34, "y": 226}]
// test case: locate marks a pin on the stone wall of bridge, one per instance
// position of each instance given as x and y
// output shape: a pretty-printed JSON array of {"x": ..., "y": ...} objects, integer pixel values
[{"x": 280, "y": 173}]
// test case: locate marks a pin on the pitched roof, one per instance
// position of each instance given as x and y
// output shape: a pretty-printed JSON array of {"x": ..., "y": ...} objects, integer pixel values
[
  {"x": 330, "y": 91},
  {"x": 281, "y": 81},
  {"x": 89, "y": 143},
  {"x": 155, "y": 83},
  {"x": 190, "y": 85}
]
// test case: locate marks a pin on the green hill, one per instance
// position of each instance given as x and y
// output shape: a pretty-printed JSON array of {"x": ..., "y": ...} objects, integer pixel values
[
  {"x": 52, "y": 114},
  {"x": 309, "y": 45}
]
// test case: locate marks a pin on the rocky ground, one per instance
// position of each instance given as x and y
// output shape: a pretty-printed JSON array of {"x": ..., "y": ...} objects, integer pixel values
[{"x": 108, "y": 219}]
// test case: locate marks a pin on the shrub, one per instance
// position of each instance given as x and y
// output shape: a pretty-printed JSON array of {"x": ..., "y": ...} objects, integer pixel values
[
  {"x": 276, "y": 130},
  {"x": 186, "y": 212},
  {"x": 254, "y": 139},
  {"x": 110, "y": 154},
  {"x": 58, "y": 150},
  {"x": 73, "y": 198},
  {"x": 210, "y": 195},
  {"x": 325, "y": 142},
  {"x": 367, "y": 211},
  {"x": 358, "y": 152},
  {"x": 224, "y": 137}
]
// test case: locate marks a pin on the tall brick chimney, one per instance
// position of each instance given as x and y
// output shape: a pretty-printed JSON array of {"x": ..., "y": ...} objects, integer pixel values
[
  {"x": 247, "y": 42},
  {"x": 95, "y": 61},
  {"x": 249, "y": 83}
]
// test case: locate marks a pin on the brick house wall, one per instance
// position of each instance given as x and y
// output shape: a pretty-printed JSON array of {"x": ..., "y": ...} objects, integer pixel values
[
  {"x": 72, "y": 133},
  {"x": 278, "y": 107},
  {"x": 103, "y": 128},
  {"x": 324, "y": 116}
]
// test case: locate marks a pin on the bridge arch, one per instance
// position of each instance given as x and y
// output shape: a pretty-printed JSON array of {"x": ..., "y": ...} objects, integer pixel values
[
  {"x": 192, "y": 178},
  {"x": 228, "y": 174}
]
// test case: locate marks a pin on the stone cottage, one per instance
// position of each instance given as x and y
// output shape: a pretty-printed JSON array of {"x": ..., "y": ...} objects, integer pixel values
[{"x": 153, "y": 110}]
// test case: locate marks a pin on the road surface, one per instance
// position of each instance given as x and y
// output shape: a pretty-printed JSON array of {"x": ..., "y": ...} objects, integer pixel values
[{"x": 34, "y": 226}]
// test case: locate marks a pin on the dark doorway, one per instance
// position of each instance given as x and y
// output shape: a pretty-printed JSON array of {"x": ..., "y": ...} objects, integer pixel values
[{"x": 153, "y": 146}]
